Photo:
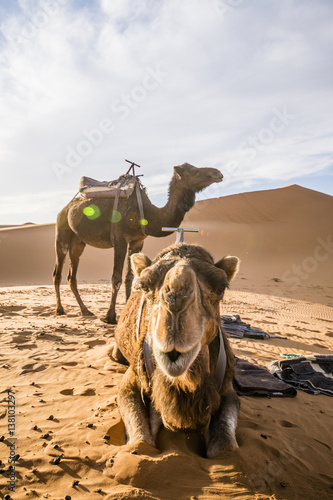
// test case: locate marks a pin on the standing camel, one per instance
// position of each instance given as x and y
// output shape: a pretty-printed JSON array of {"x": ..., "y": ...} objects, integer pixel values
[{"x": 75, "y": 230}]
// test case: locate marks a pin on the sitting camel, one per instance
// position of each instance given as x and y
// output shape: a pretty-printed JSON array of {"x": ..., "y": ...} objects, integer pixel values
[
  {"x": 180, "y": 361},
  {"x": 75, "y": 229}
]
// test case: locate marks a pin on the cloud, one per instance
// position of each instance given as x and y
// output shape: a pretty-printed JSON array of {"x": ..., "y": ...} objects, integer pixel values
[{"x": 224, "y": 68}]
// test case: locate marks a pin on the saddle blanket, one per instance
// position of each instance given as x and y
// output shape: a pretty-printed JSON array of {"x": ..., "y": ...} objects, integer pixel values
[{"x": 91, "y": 188}]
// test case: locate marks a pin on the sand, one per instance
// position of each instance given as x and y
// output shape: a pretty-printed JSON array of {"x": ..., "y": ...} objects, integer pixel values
[{"x": 60, "y": 366}]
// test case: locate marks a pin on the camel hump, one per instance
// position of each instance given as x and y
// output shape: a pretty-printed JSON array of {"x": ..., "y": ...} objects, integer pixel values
[{"x": 92, "y": 188}]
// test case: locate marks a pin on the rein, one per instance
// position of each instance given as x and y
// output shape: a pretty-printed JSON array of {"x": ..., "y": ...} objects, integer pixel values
[{"x": 147, "y": 354}]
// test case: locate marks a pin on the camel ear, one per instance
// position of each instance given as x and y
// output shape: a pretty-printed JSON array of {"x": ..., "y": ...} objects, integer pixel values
[
  {"x": 230, "y": 266},
  {"x": 139, "y": 262},
  {"x": 178, "y": 171}
]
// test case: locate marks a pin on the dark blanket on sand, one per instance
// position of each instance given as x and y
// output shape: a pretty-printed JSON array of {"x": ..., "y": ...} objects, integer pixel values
[
  {"x": 235, "y": 328},
  {"x": 313, "y": 373},
  {"x": 255, "y": 380}
]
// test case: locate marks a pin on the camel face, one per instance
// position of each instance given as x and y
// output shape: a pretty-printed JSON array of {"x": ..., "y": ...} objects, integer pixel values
[
  {"x": 184, "y": 309},
  {"x": 178, "y": 321},
  {"x": 197, "y": 178}
]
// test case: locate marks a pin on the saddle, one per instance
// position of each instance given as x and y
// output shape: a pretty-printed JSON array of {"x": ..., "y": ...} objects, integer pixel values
[{"x": 122, "y": 187}]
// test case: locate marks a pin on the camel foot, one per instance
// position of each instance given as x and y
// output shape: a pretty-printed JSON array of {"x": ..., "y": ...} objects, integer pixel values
[
  {"x": 86, "y": 312},
  {"x": 118, "y": 357},
  {"x": 111, "y": 320},
  {"x": 60, "y": 311},
  {"x": 216, "y": 449}
]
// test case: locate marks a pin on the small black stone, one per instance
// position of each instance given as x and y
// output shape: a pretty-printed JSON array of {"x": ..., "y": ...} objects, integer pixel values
[
  {"x": 263, "y": 436},
  {"x": 111, "y": 460},
  {"x": 16, "y": 457},
  {"x": 75, "y": 483},
  {"x": 67, "y": 497},
  {"x": 90, "y": 426},
  {"x": 283, "y": 484},
  {"x": 56, "y": 460},
  {"x": 7, "y": 497},
  {"x": 99, "y": 490},
  {"x": 45, "y": 436},
  {"x": 2, "y": 471},
  {"x": 2, "y": 438},
  {"x": 55, "y": 446},
  {"x": 106, "y": 437},
  {"x": 134, "y": 452},
  {"x": 50, "y": 417},
  {"x": 34, "y": 428},
  {"x": 41, "y": 401}
]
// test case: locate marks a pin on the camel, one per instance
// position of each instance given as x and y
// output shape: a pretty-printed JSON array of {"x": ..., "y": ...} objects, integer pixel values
[
  {"x": 75, "y": 230},
  {"x": 180, "y": 362}
]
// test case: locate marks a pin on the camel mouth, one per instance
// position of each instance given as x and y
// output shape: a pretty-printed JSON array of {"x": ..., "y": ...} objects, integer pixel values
[
  {"x": 217, "y": 176},
  {"x": 175, "y": 363}
]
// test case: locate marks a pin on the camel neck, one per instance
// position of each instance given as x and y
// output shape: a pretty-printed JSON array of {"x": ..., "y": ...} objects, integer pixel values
[{"x": 180, "y": 201}]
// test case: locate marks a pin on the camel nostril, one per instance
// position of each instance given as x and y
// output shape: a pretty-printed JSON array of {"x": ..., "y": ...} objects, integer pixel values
[{"x": 173, "y": 355}]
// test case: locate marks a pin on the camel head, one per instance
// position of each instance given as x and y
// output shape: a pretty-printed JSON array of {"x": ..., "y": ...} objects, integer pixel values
[
  {"x": 196, "y": 178},
  {"x": 183, "y": 288}
]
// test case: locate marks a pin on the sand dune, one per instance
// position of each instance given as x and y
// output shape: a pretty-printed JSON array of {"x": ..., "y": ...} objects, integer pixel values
[
  {"x": 276, "y": 234},
  {"x": 60, "y": 367}
]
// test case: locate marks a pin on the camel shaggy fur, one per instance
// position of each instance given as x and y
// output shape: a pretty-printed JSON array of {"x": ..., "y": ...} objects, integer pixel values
[{"x": 170, "y": 333}]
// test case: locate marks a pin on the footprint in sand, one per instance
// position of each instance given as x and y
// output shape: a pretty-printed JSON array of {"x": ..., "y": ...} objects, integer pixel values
[
  {"x": 286, "y": 423},
  {"x": 10, "y": 310},
  {"x": 95, "y": 342},
  {"x": 67, "y": 392},
  {"x": 85, "y": 392},
  {"x": 79, "y": 392},
  {"x": 33, "y": 367}
]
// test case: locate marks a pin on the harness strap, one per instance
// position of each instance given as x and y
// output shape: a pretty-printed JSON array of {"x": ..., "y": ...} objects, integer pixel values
[
  {"x": 140, "y": 204},
  {"x": 221, "y": 364},
  {"x": 115, "y": 206}
]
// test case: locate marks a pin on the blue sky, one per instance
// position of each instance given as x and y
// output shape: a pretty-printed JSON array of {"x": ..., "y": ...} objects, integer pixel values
[{"x": 245, "y": 87}]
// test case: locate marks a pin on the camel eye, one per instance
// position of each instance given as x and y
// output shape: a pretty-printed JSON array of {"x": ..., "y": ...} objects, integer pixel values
[{"x": 144, "y": 287}]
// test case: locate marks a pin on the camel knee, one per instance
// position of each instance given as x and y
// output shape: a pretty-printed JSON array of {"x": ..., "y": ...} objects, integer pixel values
[
  {"x": 57, "y": 275},
  {"x": 116, "y": 282}
]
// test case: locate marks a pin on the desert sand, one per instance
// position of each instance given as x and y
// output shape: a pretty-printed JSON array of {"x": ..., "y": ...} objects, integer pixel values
[{"x": 65, "y": 384}]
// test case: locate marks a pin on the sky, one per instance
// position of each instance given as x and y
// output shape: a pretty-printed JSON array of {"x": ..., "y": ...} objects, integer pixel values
[{"x": 242, "y": 86}]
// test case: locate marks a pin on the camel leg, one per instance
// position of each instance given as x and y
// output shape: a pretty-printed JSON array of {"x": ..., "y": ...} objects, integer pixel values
[
  {"x": 120, "y": 249},
  {"x": 221, "y": 436},
  {"x": 134, "y": 247},
  {"x": 61, "y": 251},
  {"x": 133, "y": 410},
  {"x": 75, "y": 251}
]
